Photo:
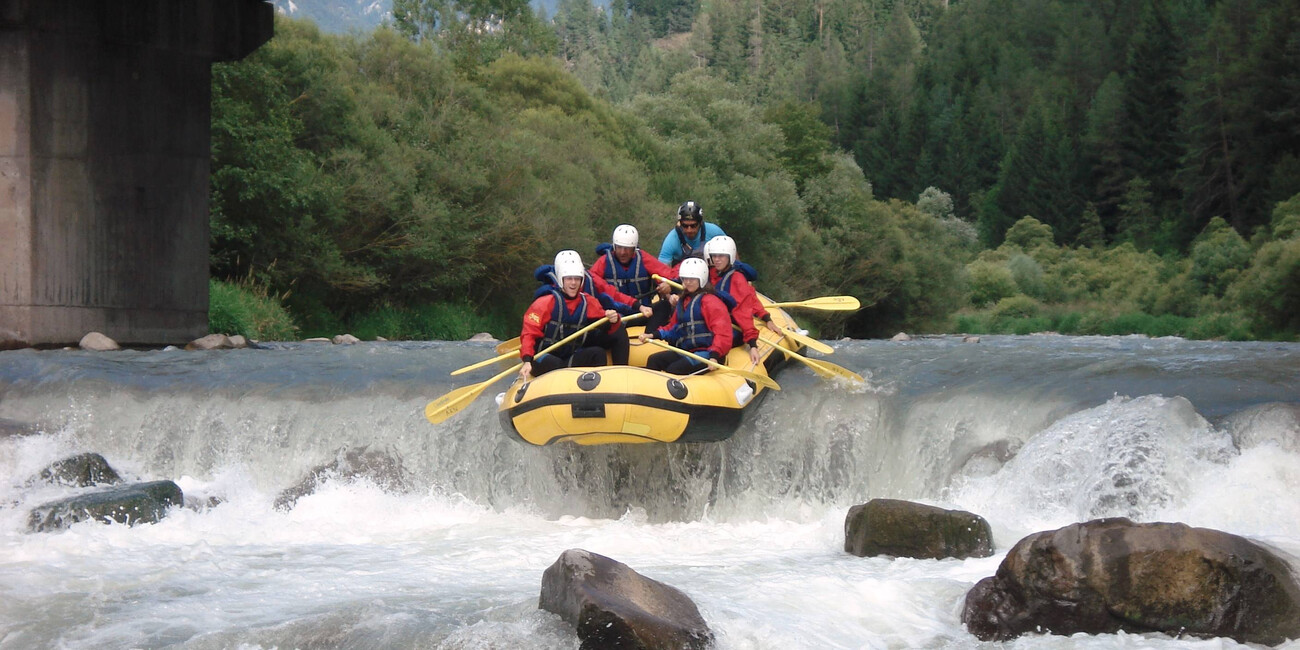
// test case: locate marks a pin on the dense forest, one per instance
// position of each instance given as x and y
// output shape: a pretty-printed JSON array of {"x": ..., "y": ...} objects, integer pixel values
[{"x": 1083, "y": 166}]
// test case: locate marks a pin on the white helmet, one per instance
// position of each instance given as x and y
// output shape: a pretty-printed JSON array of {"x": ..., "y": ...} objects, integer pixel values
[
  {"x": 721, "y": 245},
  {"x": 694, "y": 267},
  {"x": 568, "y": 264},
  {"x": 626, "y": 235}
]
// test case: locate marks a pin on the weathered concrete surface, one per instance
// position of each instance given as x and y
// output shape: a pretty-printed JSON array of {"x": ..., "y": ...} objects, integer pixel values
[{"x": 104, "y": 155}]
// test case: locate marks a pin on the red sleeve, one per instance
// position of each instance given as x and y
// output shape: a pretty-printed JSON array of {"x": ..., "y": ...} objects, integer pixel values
[
  {"x": 595, "y": 311},
  {"x": 748, "y": 306},
  {"x": 536, "y": 317},
  {"x": 597, "y": 269},
  {"x": 719, "y": 322},
  {"x": 653, "y": 265},
  {"x": 608, "y": 289}
]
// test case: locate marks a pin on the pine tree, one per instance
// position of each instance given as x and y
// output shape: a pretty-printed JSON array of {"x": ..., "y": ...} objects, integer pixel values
[{"x": 1151, "y": 101}]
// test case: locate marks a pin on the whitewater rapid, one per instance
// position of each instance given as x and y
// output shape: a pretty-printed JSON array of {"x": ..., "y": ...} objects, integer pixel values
[{"x": 1032, "y": 433}]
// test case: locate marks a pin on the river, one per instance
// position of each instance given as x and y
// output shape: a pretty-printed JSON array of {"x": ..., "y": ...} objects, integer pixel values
[{"x": 1032, "y": 433}]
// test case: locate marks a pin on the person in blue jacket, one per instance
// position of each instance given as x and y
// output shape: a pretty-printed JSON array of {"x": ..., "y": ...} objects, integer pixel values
[{"x": 687, "y": 239}]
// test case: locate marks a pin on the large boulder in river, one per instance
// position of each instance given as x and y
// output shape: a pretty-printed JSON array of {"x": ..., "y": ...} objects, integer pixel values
[
  {"x": 613, "y": 606},
  {"x": 1276, "y": 423},
  {"x": 1109, "y": 575},
  {"x": 82, "y": 470},
  {"x": 97, "y": 342},
  {"x": 383, "y": 469},
  {"x": 130, "y": 504},
  {"x": 907, "y": 529}
]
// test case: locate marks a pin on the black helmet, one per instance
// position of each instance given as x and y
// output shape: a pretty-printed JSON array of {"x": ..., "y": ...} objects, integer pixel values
[{"x": 690, "y": 211}]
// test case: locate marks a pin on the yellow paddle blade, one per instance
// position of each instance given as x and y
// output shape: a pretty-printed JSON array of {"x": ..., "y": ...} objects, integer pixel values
[
  {"x": 824, "y": 303},
  {"x": 752, "y": 376},
  {"x": 838, "y": 371},
  {"x": 454, "y": 402},
  {"x": 822, "y": 368},
  {"x": 810, "y": 342},
  {"x": 511, "y": 345}
]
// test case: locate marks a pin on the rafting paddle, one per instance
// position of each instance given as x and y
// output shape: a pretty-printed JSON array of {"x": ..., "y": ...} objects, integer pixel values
[
  {"x": 823, "y": 368},
  {"x": 752, "y": 376},
  {"x": 507, "y": 353},
  {"x": 824, "y": 303},
  {"x": 454, "y": 402}
]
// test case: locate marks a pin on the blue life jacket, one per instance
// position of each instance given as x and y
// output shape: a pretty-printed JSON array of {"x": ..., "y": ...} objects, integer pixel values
[
  {"x": 564, "y": 323},
  {"x": 694, "y": 330},
  {"x": 546, "y": 275},
  {"x": 631, "y": 280}
]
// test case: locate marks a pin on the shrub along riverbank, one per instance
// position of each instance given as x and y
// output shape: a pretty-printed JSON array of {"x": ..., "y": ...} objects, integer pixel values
[{"x": 384, "y": 186}]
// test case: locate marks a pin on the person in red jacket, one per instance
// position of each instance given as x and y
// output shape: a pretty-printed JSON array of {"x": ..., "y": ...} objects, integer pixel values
[
  {"x": 630, "y": 271},
  {"x": 701, "y": 323},
  {"x": 564, "y": 311},
  {"x": 727, "y": 278}
]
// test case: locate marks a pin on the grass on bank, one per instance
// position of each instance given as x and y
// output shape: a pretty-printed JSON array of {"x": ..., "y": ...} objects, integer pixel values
[
  {"x": 1018, "y": 318},
  {"x": 247, "y": 308}
]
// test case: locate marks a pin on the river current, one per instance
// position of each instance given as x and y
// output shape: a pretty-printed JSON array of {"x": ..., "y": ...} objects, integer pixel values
[{"x": 1032, "y": 433}]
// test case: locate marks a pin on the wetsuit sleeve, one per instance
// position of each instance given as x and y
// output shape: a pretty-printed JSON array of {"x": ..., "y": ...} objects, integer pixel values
[
  {"x": 536, "y": 317},
  {"x": 597, "y": 269},
  {"x": 618, "y": 301},
  {"x": 658, "y": 267},
  {"x": 596, "y": 311},
  {"x": 719, "y": 322},
  {"x": 671, "y": 249},
  {"x": 747, "y": 307}
]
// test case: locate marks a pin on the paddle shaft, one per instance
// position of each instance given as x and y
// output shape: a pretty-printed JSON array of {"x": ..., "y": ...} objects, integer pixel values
[
  {"x": 752, "y": 376},
  {"x": 454, "y": 402},
  {"x": 822, "y": 367}
]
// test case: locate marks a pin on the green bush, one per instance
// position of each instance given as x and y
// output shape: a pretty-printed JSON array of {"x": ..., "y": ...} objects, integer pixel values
[
  {"x": 247, "y": 309},
  {"x": 1030, "y": 233},
  {"x": 1024, "y": 326},
  {"x": 989, "y": 282},
  {"x": 1270, "y": 288},
  {"x": 433, "y": 322},
  {"x": 1016, "y": 307},
  {"x": 1218, "y": 256},
  {"x": 1028, "y": 275}
]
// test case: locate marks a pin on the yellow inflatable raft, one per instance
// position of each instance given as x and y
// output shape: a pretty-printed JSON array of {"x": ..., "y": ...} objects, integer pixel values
[{"x": 630, "y": 404}]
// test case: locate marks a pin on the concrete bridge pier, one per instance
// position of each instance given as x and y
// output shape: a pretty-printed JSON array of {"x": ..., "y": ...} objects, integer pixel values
[{"x": 105, "y": 111}]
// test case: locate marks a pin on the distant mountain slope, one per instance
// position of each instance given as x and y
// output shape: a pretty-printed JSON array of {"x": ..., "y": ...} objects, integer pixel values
[{"x": 340, "y": 16}]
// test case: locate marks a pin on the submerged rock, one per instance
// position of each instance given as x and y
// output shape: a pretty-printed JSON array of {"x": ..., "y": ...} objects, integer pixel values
[
  {"x": 907, "y": 529},
  {"x": 613, "y": 606},
  {"x": 901, "y": 336},
  {"x": 82, "y": 470},
  {"x": 211, "y": 342},
  {"x": 1276, "y": 423},
  {"x": 97, "y": 342},
  {"x": 384, "y": 469},
  {"x": 1108, "y": 575},
  {"x": 130, "y": 504},
  {"x": 345, "y": 339},
  {"x": 482, "y": 337}
]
